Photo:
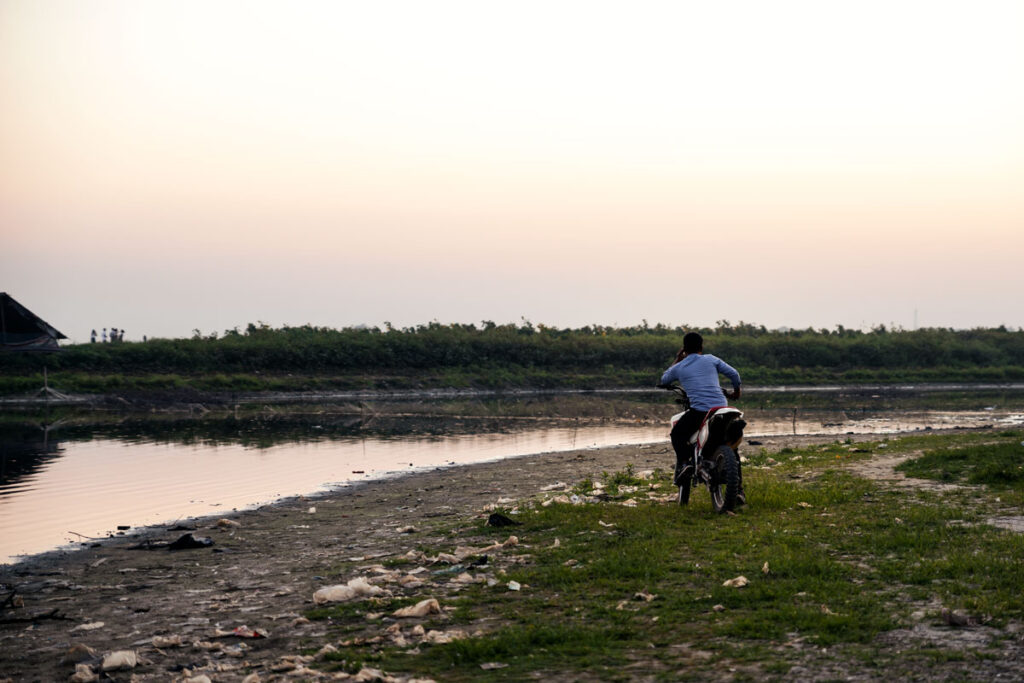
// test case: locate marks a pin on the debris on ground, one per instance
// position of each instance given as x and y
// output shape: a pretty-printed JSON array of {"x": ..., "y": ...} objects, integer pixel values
[
  {"x": 420, "y": 609},
  {"x": 498, "y": 520},
  {"x": 78, "y": 653},
  {"x": 738, "y": 582},
  {"x": 119, "y": 660},
  {"x": 356, "y": 588},
  {"x": 190, "y": 542}
]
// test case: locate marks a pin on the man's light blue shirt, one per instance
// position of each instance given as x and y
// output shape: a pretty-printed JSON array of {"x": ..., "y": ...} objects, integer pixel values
[{"x": 698, "y": 375}]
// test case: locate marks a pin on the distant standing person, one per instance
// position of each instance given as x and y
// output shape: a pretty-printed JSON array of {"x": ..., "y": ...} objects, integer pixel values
[
  {"x": 697, "y": 374},
  {"x": 104, "y": 335},
  {"x": 92, "y": 337}
]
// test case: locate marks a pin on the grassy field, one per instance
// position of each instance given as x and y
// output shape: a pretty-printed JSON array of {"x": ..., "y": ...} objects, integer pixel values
[{"x": 846, "y": 575}]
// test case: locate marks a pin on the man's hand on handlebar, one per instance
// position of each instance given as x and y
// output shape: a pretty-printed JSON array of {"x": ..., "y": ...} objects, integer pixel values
[{"x": 734, "y": 395}]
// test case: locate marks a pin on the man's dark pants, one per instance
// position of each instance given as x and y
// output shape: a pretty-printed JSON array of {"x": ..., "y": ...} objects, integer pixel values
[{"x": 682, "y": 431}]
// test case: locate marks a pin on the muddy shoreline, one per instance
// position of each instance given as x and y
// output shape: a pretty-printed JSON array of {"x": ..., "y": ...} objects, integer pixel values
[{"x": 262, "y": 569}]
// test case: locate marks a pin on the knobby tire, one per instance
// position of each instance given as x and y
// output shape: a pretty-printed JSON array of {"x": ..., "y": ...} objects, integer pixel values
[{"x": 725, "y": 481}]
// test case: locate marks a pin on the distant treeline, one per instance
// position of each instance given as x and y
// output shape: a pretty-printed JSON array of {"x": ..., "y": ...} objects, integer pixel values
[{"x": 627, "y": 355}]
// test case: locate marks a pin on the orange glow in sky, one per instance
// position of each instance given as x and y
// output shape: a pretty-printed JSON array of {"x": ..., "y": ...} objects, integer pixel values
[{"x": 166, "y": 166}]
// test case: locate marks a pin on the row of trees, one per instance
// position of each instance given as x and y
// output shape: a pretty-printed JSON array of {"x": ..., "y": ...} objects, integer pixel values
[{"x": 307, "y": 349}]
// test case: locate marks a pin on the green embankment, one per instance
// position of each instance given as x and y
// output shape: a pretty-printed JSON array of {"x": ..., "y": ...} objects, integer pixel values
[{"x": 500, "y": 356}]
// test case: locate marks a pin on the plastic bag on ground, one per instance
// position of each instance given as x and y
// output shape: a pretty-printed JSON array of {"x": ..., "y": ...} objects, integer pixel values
[
  {"x": 121, "y": 659},
  {"x": 356, "y": 588},
  {"x": 83, "y": 674},
  {"x": 420, "y": 609}
]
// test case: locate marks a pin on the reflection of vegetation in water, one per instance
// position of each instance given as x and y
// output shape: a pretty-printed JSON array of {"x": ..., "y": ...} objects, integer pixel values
[
  {"x": 268, "y": 425},
  {"x": 24, "y": 449}
]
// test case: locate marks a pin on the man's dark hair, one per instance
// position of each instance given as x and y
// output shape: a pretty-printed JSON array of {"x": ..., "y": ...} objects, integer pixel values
[{"x": 693, "y": 343}]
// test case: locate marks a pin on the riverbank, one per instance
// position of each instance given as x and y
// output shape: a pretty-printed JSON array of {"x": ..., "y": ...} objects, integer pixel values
[{"x": 183, "y": 612}]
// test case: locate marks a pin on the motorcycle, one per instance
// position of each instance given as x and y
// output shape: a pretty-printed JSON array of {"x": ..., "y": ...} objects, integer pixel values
[{"x": 716, "y": 459}]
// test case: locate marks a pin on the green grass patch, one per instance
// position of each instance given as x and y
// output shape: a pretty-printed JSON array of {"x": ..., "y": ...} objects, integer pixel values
[
  {"x": 833, "y": 562},
  {"x": 998, "y": 464}
]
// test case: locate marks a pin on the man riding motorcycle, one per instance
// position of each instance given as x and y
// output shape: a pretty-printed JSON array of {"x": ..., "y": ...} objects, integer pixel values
[{"x": 697, "y": 373}]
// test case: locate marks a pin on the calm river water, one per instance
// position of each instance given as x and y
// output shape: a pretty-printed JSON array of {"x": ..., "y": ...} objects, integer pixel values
[{"x": 63, "y": 481}]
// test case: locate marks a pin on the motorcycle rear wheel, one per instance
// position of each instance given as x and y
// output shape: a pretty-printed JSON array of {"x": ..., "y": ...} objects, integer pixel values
[{"x": 725, "y": 479}]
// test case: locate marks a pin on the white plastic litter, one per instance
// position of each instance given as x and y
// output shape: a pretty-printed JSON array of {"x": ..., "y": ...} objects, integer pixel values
[
  {"x": 738, "y": 582},
  {"x": 420, "y": 609},
  {"x": 356, "y": 588},
  {"x": 121, "y": 659}
]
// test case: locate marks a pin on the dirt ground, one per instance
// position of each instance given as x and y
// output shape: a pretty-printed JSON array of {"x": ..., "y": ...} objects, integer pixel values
[{"x": 260, "y": 573}]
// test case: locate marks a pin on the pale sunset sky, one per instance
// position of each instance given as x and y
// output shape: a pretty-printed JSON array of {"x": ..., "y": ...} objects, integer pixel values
[{"x": 170, "y": 166}]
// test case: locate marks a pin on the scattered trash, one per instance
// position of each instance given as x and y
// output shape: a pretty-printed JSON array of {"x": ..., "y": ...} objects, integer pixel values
[
  {"x": 123, "y": 527},
  {"x": 410, "y": 581},
  {"x": 190, "y": 542},
  {"x": 630, "y": 503},
  {"x": 246, "y": 632},
  {"x": 575, "y": 500},
  {"x": 498, "y": 519},
  {"x": 98, "y": 562},
  {"x": 311, "y": 510},
  {"x": 92, "y": 626},
  {"x": 644, "y": 595},
  {"x": 825, "y": 610},
  {"x": 765, "y": 569},
  {"x": 357, "y": 587},
  {"x": 78, "y": 652},
  {"x": 420, "y": 609},
  {"x": 605, "y": 524},
  {"x": 406, "y": 530},
  {"x": 738, "y": 582},
  {"x": 442, "y": 637},
  {"x": 121, "y": 659},
  {"x": 803, "y": 504},
  {"x": 556, "y": 544},
  {"x": 83, "y": 674},
  {"x": 227, "y": 523},
  {"x": 718, "y": 608},
  {"x": 327, "y": 649},
  {"x": 514, "y": 585},
  {"x": 506, "y": 501},
  {"x": 201, "y": 678},
  {"x": 956, "y": 618},
  {"x": 167, "y": 641},
  {"x": 560, "y": 486},
  {"x": 491, "y": 666}
]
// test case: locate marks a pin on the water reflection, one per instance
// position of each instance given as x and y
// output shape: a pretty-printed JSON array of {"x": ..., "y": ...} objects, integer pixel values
[
  {"x": 87, "y": 473},
  {"x": 24, "y": 450}
]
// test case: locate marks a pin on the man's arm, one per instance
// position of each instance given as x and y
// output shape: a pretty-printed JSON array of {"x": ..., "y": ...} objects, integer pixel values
[{"x": 734, "y": 377}]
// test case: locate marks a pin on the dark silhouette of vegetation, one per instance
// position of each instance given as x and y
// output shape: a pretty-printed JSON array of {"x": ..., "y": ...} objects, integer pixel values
[{"x": 527, "y": 354}]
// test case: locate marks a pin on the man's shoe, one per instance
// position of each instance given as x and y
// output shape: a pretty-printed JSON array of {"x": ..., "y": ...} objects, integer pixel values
[
  {"x": 682, "y": 474},
  {"x": 741, "y": 497}
]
